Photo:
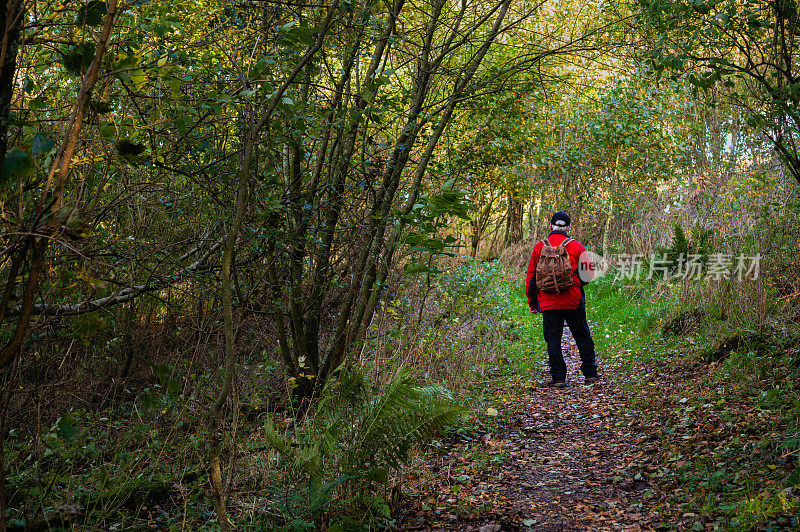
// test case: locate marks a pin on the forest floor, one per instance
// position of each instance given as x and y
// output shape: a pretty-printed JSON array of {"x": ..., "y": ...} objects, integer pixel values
[
  {"x": 694, "y": 425},
  {"x": 562, "y": 460},
  {"x": 582, "y": 457}
]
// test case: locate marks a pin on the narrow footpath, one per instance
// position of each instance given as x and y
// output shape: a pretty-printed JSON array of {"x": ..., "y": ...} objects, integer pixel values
[{"x": 557, "y": 460}]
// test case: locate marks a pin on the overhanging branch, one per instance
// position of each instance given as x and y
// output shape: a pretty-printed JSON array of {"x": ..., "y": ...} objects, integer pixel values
[{"x": 124, "y": 295}]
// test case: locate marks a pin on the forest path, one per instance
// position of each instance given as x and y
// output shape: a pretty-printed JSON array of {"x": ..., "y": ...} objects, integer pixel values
[{"x": 558, "y": 459}]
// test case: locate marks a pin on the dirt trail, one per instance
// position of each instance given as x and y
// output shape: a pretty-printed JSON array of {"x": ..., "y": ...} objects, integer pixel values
[{"x": 562, "y": 462}]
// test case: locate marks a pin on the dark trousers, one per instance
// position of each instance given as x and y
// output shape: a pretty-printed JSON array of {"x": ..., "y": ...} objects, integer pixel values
[{"x": 553, "y": 325}]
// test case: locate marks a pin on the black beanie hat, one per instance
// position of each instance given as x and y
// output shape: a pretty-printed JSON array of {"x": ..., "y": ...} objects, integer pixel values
[{"x": 560, "y": 219}]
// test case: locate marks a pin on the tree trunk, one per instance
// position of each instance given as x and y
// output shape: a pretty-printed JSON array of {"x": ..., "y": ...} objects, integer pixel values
[
  {"x": 536, "y": 214},
  {"x": 516, "y": 210},
  {"x": 251, "y": 138},
  {"x": 10, "y": 17},
  {"x": 377, "y": 256},
  {"x": 610, "y": 213}
]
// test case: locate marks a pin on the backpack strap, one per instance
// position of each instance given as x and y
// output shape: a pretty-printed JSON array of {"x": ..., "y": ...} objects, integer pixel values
[
  {"x": 546, "y": 242},
  {"x": 562, "y": 245}
]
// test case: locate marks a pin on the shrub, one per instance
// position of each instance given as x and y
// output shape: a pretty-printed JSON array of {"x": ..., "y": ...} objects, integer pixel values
[{"x": 345, "y": 450}]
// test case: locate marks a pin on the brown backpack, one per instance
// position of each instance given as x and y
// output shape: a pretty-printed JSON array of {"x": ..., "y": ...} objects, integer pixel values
[{"x": 554, "y": 271}]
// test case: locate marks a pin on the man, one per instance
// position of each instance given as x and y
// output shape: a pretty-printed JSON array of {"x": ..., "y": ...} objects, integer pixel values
[{"x": 567, "y": 305}]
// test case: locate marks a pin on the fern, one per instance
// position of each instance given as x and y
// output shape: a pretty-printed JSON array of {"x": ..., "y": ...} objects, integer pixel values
[
  {"x": 702, "y": 241},
  {"x": 358, "y": 433},
  {"x": 402, "y": 415}
]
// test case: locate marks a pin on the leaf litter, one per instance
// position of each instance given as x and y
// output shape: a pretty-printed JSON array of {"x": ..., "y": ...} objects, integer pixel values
[
  {"x": 565, "y": 459},
  {"x": 606, "y": 457}
]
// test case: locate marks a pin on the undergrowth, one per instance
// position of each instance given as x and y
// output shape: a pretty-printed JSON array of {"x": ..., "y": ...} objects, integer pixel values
[
  {"x": 466, "y": 326},
  {"x": 340, "y": 467},
  {"x": 719, "y": 388},
  {"x": 337, "y": 460},
  {"x": 435, "y": 346}
]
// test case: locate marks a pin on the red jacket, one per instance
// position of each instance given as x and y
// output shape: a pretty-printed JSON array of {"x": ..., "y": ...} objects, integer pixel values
[{"x": 572, "y": 298}]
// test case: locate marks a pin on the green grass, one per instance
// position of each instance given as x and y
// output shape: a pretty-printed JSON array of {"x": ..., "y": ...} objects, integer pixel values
[
  {"x": 476, "y": 337},
  {"x": 623, "y": 317},
  {"x": 626, "y": 317},
  {"x": 745, "y": 482},
  {"x": 526, "y": 349}
]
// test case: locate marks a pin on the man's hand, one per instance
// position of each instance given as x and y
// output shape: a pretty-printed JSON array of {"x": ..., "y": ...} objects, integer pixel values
[{"x": 535, "y": 310}]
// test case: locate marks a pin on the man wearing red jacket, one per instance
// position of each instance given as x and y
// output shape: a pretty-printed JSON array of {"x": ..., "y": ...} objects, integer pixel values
[{"x": 569, "y": 306}]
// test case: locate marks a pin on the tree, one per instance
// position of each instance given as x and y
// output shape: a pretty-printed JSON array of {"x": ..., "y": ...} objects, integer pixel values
[{"x": 751, "y": 48}]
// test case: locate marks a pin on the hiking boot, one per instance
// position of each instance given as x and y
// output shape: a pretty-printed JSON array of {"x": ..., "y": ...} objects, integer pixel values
[
  {"x": 591, "y": 380},
  {"x": 556, "y": 384}
]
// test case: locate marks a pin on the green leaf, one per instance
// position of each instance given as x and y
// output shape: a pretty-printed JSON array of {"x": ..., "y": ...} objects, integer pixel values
[
  {"x": 126, "y": 62},
  {"x": 378, "y": 474},
  {"x": 128, "y": 147},
  {"x": 138, "y": 77},
  {"x": 17, "y": 163},
  {"x": 42, "y": 143},
  {"x": 86, "y": 325},
  {"x": 65, "y": 427},
  {"x": 415, "y": 267},
  {"x": 108, "y": 131},
  {"x": 700, "y": 6},
  {"x": 78, "y": 58},
  {"x": 38, "y": 103},
  {"x": 100, "y": 107},
  {"x": 91, "y": 13}
]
